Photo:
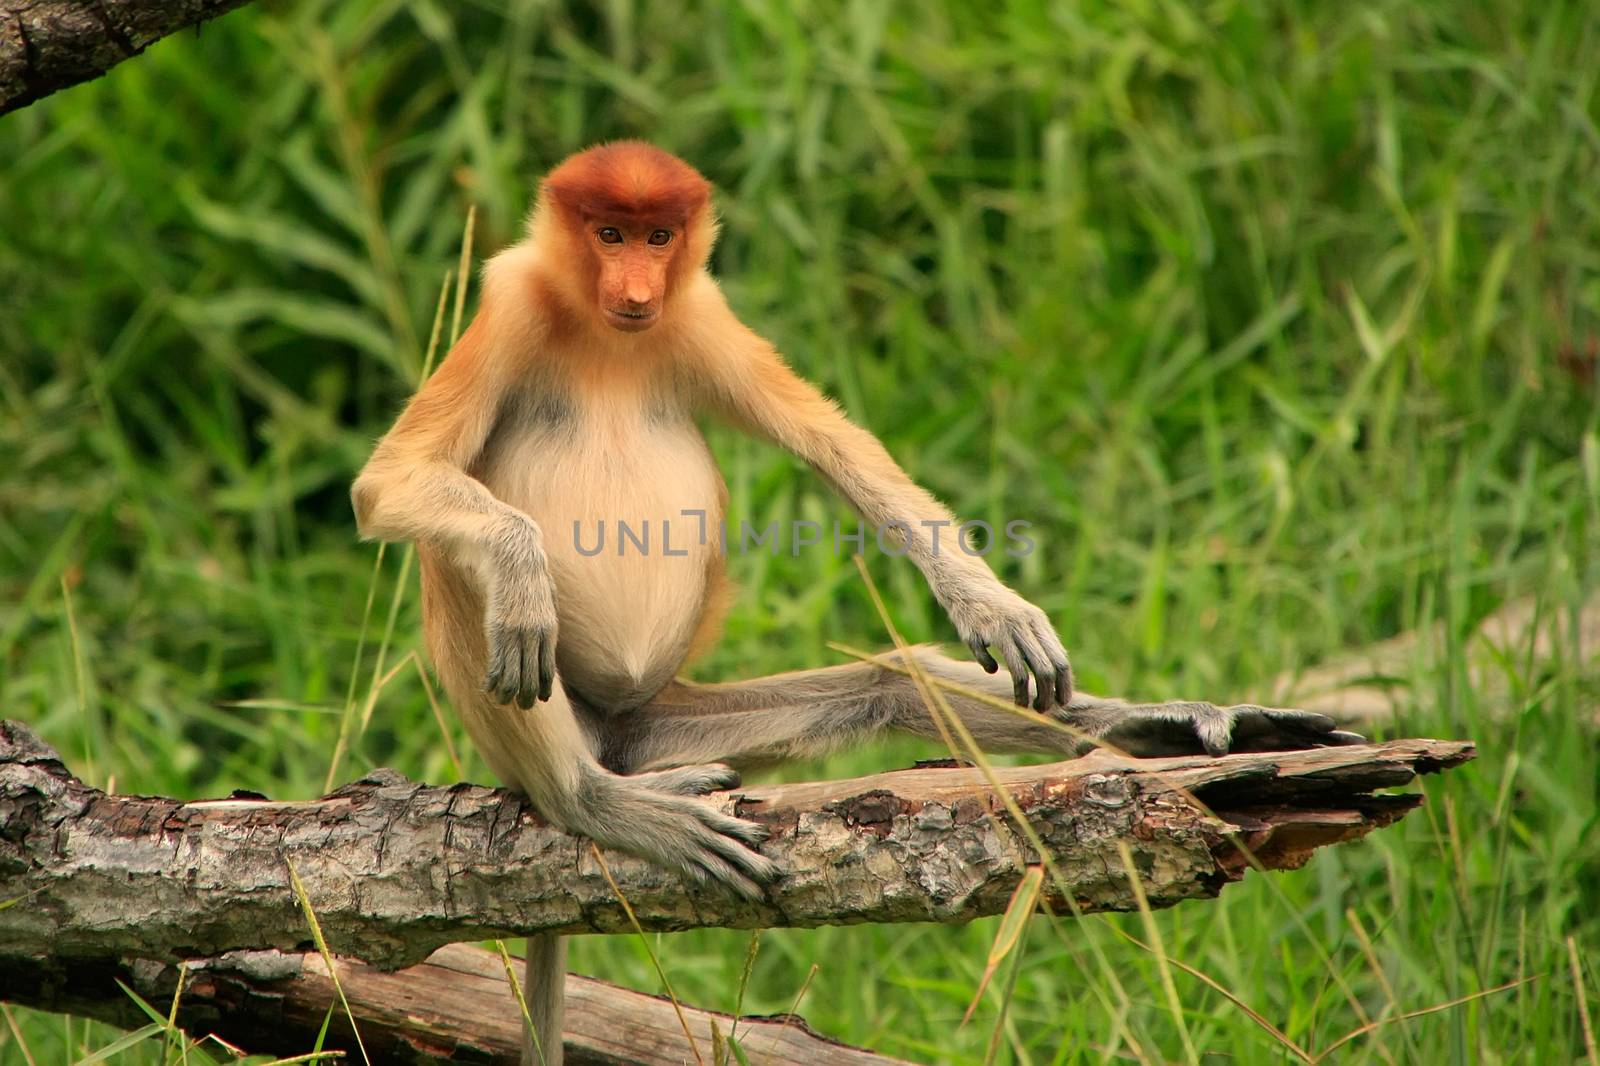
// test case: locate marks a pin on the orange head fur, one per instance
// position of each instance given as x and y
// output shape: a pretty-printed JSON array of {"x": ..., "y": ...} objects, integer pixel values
[{"x": 634, "y": 221}]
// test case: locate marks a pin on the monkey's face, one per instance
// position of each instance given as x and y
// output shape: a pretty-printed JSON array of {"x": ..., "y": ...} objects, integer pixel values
[{"x": 635, "y": 261}]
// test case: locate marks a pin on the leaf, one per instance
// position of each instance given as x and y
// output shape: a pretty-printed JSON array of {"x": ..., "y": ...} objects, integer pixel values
[
  {"x": 124, "y": 1042},
  {"x": 286, "y": 238},
  {"x": 1012, "y": 923},
  {"x": 301, "y": 313}
]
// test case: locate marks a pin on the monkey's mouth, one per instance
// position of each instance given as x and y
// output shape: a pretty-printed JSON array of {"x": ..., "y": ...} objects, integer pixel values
[{"x": 632, "y": 321}]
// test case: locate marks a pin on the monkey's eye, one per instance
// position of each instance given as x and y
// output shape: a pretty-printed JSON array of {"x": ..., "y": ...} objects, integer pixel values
[
  {"x": 609, "y": 235},
  {"x": 660, "y": 237}
]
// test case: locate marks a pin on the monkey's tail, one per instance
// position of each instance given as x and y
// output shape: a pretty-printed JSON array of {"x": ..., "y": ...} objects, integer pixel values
[{"x": 544, "y": 984}]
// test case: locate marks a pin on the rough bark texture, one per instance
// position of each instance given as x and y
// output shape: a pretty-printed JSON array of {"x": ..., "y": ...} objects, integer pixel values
[
  {"x": 395, "y": 869},
  {"x": 46, "y": 45},
  {"x": 455, "y": 1007}
]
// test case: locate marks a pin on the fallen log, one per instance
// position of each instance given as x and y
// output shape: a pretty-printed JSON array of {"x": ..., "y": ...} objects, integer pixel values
[
  {"x": 455, "y": 1007},
  {"x": 394, "y": 869}
]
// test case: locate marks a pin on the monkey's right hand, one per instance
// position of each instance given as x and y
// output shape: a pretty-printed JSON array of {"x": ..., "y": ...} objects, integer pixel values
[{"x": 520, "y": 626}]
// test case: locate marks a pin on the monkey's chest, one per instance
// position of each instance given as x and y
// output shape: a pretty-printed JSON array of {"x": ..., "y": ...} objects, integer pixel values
[{"x": 630, "y": 509}]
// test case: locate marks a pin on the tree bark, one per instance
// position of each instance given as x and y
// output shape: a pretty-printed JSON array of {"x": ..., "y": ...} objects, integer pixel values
[
  {"x": 394, "y": 869},
  {"x": 455, "y": 1007},
  {"x": 46, "y": 45}
]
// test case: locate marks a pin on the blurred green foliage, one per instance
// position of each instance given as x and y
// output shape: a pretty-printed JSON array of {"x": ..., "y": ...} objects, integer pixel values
[{"x": 1280, "y": 322}]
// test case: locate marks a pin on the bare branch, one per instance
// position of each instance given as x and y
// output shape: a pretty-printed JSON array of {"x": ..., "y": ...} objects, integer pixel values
[
  {"x": 456, "y": 1006},
  {"x": 46, "y": 45}
]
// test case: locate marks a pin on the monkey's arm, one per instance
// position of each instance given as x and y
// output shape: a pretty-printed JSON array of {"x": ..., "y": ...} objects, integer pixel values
[
  {"x": 749, "y": 383},
  {"x": 416, "y": 487}
]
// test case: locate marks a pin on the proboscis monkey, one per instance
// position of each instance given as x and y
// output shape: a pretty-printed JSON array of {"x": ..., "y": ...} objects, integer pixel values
[{"x": 571, "y": 401}]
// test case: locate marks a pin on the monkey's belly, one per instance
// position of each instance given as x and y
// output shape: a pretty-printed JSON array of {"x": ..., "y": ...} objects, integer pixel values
[{"x": 630, "y": 556}]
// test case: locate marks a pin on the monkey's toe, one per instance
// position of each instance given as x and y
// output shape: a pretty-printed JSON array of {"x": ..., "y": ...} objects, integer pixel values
[
  {"x": 1280, "y": 729},
  {"x": 693, "y": 780}
]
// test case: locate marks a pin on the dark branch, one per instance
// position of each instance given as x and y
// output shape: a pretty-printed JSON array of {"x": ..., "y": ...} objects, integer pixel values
[{"x": 48, "y": 45}]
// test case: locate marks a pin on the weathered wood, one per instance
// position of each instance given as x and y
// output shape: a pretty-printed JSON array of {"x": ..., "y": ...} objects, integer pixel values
[
  {"x": 46, "y": 45},
  {"x": 395, "y": 869},
  {"x": 456, "y": 1007}
]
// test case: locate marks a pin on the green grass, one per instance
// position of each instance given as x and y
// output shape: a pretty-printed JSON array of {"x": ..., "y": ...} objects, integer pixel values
[{"x": 1279, "y": 322}]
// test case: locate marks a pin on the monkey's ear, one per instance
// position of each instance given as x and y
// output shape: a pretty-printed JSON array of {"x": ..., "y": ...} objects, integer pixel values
[{"x": 701, "y": 234}]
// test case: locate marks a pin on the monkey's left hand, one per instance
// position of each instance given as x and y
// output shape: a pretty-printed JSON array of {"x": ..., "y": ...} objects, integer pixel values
[{"x": 1020, "y": 633}]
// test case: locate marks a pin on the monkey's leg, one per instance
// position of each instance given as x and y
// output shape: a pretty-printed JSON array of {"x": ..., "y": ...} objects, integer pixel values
[
  {"x": 810, "y": 712},
  {"x": 804, "y": 714},
  {"x": 543, "y": 753}
]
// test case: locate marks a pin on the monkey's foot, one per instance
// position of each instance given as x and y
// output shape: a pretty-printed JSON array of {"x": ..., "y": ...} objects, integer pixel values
[
  {"x": 1184, "y": 728},
  {"x": 649, "y": 815}
]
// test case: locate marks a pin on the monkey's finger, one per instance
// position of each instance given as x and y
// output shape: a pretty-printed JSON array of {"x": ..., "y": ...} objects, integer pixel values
[
  {"x": 739, "y": 873},
  {"x": 547, "y": 666},
  {"x": 510, "y": 657},
  {"x": 495, "y": 674},
  {"x": 727, "y": 859},
  {"x": 1311, "y": 726},
  {"x": 528, "y": 660},
  {"x": 742, "y": 857},
  {"x": 980, "y": 652},
  {"x": 491, "y": 670},
  {"x": 733, "y": 832},
  {"x": 1050, "y": 663},
  {"x": 1299, "y": 721},
  {"x": 1018, "y": 669},
  {"x": 1215, "y": 733},
  {"x": 708, "y": 867},
  {"x": 1064, "y": 681},
  {"x": 691, "y": 780},
  {"x": 1044, "y": 679},
  {"x": 1060, "y": 665},
  {"x": 1268, "y": 727}
]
